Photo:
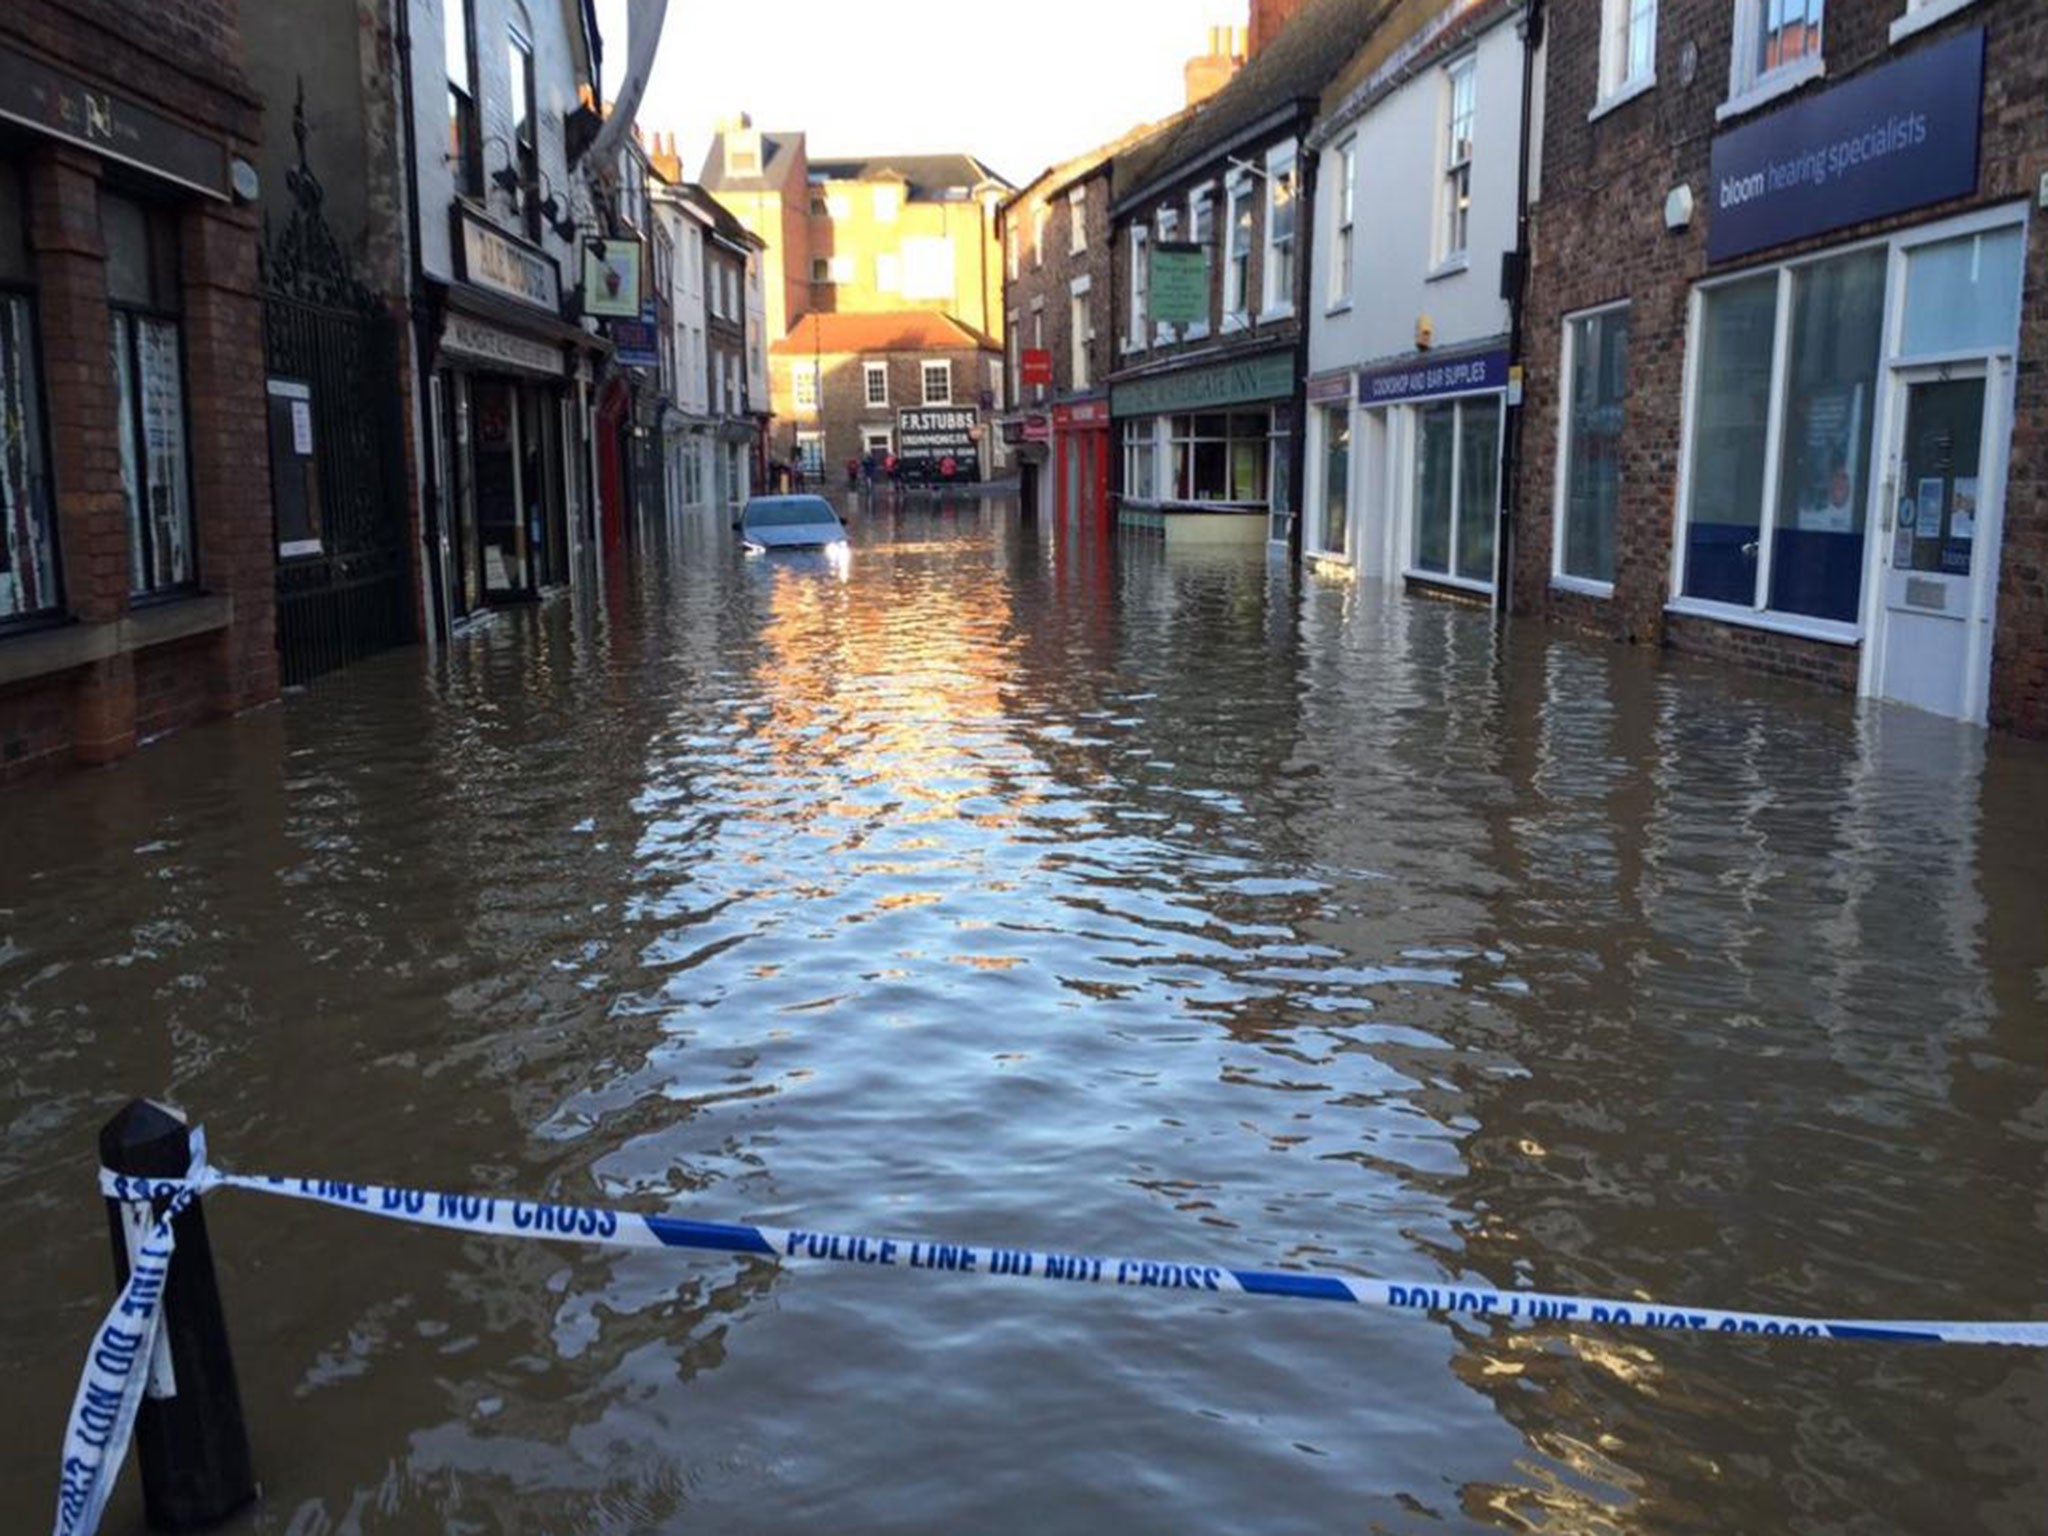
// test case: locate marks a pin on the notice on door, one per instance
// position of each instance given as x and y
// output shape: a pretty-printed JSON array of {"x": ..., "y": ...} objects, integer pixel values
[{"x": 302, "y": 428}]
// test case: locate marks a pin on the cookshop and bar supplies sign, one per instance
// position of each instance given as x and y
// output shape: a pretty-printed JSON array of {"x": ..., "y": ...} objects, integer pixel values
[{"x": 1899, "y": 137}]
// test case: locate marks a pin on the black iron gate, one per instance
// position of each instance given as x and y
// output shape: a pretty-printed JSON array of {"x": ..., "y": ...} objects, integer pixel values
[{"x": 344, "y": 576}]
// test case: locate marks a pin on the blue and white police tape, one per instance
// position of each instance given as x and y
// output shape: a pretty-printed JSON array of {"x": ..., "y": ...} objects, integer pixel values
[
  {"x": 118, "y": 1366},
  {"x": 112, "y": 1384}
]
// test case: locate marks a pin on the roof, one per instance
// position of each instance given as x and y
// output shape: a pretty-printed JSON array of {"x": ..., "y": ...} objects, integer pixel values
[
  {"x": 1291, "y": 70},
  {"x": 902, "y": 330},
  {"x": 928, "y": 177},
  {"x": 1415, "y": 34},
  {"x": 778, "y": 154},
  {"x": 1055, "y": 179}
]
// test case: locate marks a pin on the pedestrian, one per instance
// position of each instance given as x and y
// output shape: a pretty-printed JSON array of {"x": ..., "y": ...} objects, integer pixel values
[
  {"x": 867, "y": 470},
  {"x": 853, "y": 474}
]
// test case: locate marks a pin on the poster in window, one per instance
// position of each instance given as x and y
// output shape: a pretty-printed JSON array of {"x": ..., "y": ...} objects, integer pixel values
[
  {"x": 1826, "y": 467},
  {"x": 1927, "y": 511},
  {"x": 1962, "y": 511}
]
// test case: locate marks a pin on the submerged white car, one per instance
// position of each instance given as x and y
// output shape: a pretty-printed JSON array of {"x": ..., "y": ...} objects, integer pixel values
[{"x": 790, "y": 522}]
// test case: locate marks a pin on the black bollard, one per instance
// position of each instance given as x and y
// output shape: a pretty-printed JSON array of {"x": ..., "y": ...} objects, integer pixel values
[{"x": 191, "y": 1445}]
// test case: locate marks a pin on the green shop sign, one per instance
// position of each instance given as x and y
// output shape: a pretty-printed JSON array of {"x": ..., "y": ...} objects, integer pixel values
[
  {"x": 1266, "y": 377},
  {"x": 1179, "y": 291}
]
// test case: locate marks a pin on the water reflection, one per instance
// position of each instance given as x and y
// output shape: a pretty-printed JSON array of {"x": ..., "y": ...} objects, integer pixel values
[{"x": 1017, "y": 886}]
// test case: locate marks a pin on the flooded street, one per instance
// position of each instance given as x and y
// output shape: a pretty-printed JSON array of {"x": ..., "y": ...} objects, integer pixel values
[{"x": 1010, "y": 888}]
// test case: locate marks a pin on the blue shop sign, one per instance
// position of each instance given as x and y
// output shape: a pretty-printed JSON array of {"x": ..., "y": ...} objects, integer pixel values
[
  {"x": 1420, "y": 378},
  {"x": 1896, "y": 138}
]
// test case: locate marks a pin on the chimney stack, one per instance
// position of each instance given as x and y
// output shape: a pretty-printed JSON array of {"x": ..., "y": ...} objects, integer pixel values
[
  {"x": 1206, "y": 74},
  {"x": 1268, "y": 17}
]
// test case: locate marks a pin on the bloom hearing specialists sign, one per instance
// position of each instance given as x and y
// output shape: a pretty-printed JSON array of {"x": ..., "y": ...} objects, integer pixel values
[{"x": 1896, "y": 138}]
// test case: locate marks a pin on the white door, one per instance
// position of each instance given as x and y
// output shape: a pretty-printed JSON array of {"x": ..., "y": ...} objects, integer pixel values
[{"x": 1943, "y": 490}]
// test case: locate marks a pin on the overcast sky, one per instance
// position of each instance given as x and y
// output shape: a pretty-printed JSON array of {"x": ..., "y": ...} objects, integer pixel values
[{"x": 1018, "y": 84}]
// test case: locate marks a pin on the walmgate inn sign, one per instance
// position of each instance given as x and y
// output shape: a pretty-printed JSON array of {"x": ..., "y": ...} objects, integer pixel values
[{"x": 1899, "y": 137}]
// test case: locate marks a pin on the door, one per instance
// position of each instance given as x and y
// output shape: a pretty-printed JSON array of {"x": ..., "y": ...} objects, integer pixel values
[{"x": 1939, "y": 546}]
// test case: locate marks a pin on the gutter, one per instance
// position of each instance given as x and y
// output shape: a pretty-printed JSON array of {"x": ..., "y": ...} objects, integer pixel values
[
  {"x": 420, "y": 314},
  {"x": 1516, "y": 283}
]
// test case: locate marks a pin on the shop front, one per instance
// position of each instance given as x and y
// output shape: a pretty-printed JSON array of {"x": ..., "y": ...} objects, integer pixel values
[
  {"x": 1421, "y": 465},
  {"x": 1080, "y": 440},
  {"x": 1326, "y": 521},
  {"x": 1028, "y": 436},
  {"x": 1206, "y": 450}
]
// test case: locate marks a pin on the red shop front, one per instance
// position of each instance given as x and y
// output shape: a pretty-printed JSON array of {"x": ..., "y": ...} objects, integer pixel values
[{"x": 1080, "y": 437}]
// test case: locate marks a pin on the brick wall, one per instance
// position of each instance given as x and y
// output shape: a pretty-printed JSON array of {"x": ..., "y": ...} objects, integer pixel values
[
  {"x": 844, "y": 398},
  {"x": 1598, "y": 235},
  {"x": 1048, "y": 277}
]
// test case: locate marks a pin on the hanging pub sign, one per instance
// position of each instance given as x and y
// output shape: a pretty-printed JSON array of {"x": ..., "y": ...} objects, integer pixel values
[
  {"x": 1897, "y": 137},
  {"x": 611, "y": 280},
  {"x": 1179, "y": 292}
]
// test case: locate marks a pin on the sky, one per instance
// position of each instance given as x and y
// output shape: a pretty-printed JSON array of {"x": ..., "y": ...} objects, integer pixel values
[{"x": 1019, "y": 84}]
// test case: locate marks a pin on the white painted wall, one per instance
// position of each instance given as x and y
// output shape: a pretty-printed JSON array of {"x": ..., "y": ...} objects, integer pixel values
[
  {"x": 555, "y": 82},
  {"x": 1397, "y": 212}
]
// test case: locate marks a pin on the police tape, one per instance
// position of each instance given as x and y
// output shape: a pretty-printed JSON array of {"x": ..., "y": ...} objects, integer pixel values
[{"x": 105, "y": 1408}]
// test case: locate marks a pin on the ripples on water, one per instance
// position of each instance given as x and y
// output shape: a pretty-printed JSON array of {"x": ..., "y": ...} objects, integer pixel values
[{"x": 1002, "y": 890}]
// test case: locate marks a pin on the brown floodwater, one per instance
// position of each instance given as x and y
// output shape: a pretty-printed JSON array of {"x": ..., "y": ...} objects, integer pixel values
[{"x": 1007, "y": 888}]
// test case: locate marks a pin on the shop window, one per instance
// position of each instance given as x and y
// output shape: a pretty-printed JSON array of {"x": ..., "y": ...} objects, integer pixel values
[
  {"x": 875, "y": 377},
  {"x": 1461, "y": 87},
  {"x": 1279, "y": 263},
  {"x": 1140, "y": 454},
  {"x": 149, "y": 373},
  {"x": 1218, "y": 456},
  {"x": 1628, "y": 48},
  {"x": 465, "y": 146},
  {"x": 28, "y": 543},
  {"x": 938, "y": 383},
  {"x": 1457, "y": 480},
  {"x": 1595, "y": 375},
  {"x": 1333, "y": 538},
  {"x": 1785, "y": 536},
  {"x": 1777, "y": 45}
]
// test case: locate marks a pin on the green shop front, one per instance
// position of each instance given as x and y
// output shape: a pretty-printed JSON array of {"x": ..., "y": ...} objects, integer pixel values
[{"x": 1206, "y": 449}]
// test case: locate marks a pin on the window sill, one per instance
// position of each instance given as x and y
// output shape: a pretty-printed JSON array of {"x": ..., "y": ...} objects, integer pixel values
[
  {"x": 179, "y": 616},
  {"x": 1921, "y": 17},
  {"x": 1827, "y": 631},
  {"x": 1623, "y": 94},
  {"x": 1276, "y": 312},
  {"x": 1585, "y": 586},
  {"x": 1449, "y": 267},
  {"x": 1778, "y": 82},
  {"x": 1196, "y": 332},
  {"x": 1447, "y": 581},
  {"x": 1341, "y": 307}
]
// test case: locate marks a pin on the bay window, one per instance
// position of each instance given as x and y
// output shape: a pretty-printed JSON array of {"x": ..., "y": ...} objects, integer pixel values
[
  {"x": 144, "y": 301},
  {"x": 1778, "y": 456}
]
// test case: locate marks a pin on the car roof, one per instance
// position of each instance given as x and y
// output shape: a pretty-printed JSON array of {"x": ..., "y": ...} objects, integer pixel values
[{"x": 805, "y": 503}]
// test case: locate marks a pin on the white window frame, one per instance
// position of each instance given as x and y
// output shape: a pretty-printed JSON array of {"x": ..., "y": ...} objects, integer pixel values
[
  {"x": 888, "y": 272},
  {"x": 1140, "y": 289},
  {"x": 1454, "y": 176},
  {"x": 1343, "y": 231},
  {"x": 1277, "y": 257},
  {"x": 1618, "y": 83},
  {"x": 1559, "y": 577},
  {"x": 1079, "y": 336},
  {"x": 1041, "y": 216},
  {"x": 838, "y": 205},
  {"x": 925, "y": 371},
  {"x": 869, "y": 373},
  {"x": 842, "y": 270},
  {"x": 803, "y": 386},
  {"x": 1922, "y": 14},
  {"x": 1750, "y": 87},
  {"x": 1010, "y": 244},
  {"x": 807, "y": 439},
  {"x": 1038, "y": 340},
  {"x": 1077, "y": 221},
  {"x": 888, "y": 203},
  {"x": 1237, "y": 305},
  {"x": 1897, "y": 246},
  {"x": 1014, "y": 347},
  {"x": 1198, "y": 197},
  {"x": 1411, "y": 436},
  {"x": 821, "y": 269},
  {"x": 1165, "y": 226}
]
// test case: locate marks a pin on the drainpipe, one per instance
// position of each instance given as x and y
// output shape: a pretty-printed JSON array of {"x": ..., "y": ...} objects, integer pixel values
[
  {"x": 1518, "y": 287},
  {"x": 1305, "y": 169},
  {"x": 422, "y": 338}
]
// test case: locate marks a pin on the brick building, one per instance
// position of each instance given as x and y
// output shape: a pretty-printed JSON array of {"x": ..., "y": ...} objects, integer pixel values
[
  {"x": 136, "y": 564},
  {"x": 1785, "y": 341},
  {"x": 1057, "y": 306},
  {"x": 853, "y": 381},
  {"x": 1207, "y": 401}
]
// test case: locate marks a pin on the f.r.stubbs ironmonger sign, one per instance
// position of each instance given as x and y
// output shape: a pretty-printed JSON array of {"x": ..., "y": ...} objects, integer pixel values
[{"x": 1898, "y": 137}]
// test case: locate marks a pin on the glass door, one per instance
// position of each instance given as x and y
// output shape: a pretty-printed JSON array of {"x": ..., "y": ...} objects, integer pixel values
[
  {"x": 502, "y": 544},
  {"x": 1939, "y": 540}
]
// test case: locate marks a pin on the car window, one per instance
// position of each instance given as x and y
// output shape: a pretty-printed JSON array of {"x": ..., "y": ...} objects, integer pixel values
[{"x": 788, "y": 514}]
